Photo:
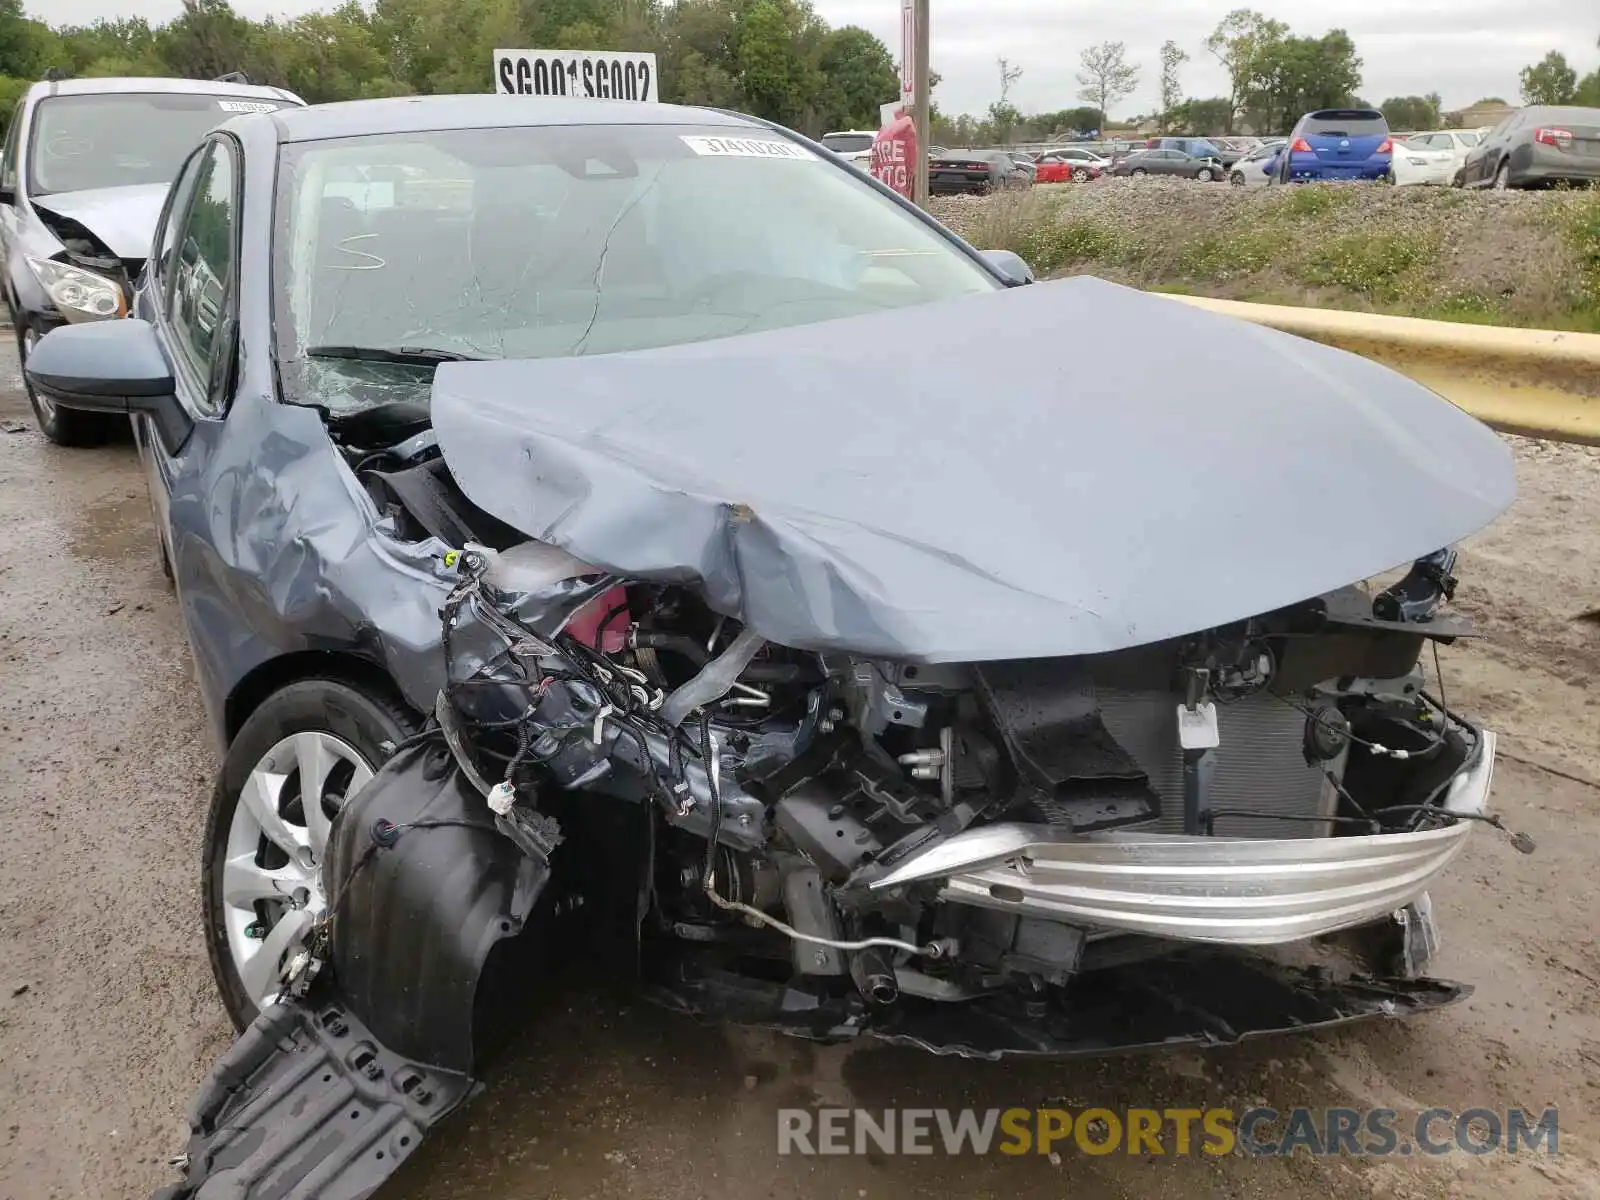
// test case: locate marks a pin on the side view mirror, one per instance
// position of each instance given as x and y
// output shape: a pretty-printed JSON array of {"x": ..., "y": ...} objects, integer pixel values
[
  {"x": 1009, "y": 266},
  {"x": 111, "y": 367}
]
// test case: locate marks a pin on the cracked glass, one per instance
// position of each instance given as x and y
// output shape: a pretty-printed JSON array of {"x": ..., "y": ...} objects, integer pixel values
[{"x": 555, "y": 241}]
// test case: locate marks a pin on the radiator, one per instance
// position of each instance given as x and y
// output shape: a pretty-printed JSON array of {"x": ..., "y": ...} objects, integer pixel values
[{"x": 1259, "y": 764}]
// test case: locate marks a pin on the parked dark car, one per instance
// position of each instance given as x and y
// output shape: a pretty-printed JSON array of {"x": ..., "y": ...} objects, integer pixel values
[
  {"x": 85, "y": 168},
  {"x": 573, "y": 556},
  {"x": 1170, "y": 162},
  {"x": 975, "y": 172},
  {"x": 1336, "y": 144},
  {"x": 1537, "y": 147},
  {"x": 1197, "y": 147}
]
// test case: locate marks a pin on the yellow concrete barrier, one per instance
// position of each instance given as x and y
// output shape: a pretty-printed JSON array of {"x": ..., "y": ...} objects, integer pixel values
[{"x": 1540, "y": 382}]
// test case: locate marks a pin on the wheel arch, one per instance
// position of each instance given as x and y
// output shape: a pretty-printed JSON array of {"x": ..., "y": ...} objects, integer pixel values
[{"x": 341, "y": 666}]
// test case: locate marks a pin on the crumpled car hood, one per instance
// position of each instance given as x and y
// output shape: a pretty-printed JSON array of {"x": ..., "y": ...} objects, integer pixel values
[
  {"x": 892, "y": 486},
  {"x": 124, "y": 218}
]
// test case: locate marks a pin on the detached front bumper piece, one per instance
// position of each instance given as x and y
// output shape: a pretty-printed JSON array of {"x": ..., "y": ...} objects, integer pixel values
[{"x": 1233, "y": 891}]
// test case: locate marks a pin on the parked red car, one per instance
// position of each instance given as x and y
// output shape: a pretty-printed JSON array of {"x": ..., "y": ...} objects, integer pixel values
[{"x": 1060, "y": 166}]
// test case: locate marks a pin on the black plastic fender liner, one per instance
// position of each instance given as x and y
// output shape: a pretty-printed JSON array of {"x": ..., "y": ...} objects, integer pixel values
[
  {"x": 307, "y": 1105},
  {"x": 421, "y": 903}
]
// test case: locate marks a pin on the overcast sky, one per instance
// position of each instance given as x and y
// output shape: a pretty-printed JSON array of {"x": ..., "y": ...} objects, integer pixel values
[{"x": 1464, "y": 49}]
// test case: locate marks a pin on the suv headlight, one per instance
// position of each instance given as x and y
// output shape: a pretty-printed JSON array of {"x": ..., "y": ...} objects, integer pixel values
[{"x": 80, "y": 295}]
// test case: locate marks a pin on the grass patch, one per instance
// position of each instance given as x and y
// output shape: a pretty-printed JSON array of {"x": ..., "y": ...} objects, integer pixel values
[
  {"x": 1316, "y": 199},
  {"x": 1583, "y": 235},
  {"x": 1373, "y": 264},
  {"x": 1530, "y": 260},
  {"x": 1060, "y": 244},
  {"x": 1219, "y": 257}
]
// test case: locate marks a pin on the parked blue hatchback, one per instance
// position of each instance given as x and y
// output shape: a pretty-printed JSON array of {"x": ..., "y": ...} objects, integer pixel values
[{"x": 1336, "y": 143}]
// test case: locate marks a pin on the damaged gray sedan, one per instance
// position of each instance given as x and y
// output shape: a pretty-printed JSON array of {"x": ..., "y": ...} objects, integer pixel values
[{"x": 578, "y": 547}]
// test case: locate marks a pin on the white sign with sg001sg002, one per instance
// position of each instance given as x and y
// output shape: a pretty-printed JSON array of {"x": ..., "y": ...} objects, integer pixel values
[{"x": 580, "y": 74}]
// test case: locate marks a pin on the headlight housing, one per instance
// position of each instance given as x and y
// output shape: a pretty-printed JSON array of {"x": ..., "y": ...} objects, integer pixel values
[{"x": 81, "y": 295}]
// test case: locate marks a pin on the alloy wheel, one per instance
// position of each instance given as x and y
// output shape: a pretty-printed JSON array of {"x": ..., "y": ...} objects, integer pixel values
[{"x": 271, "y": 879}]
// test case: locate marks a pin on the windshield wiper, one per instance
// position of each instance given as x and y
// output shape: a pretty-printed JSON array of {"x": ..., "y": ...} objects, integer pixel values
[{"x": 420, "y": 355}]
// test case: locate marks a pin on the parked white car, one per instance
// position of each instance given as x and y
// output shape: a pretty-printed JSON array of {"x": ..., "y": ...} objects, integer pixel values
[
  {"x": 1250, "y": 171},
  {"x": 1458, "y": 142},
  {"x": 854, "y": 144},
  {"x": 1417, "y": 161},
  {"x": 1071, "y": 154}
]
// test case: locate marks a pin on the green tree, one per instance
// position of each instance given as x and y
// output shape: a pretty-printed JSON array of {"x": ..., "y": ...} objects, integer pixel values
[
  {"x": 335, "y": 56},
  {"x": 1588, "y": 93},
  {"x": 1069, "y": 121},
  {"x": 209, "y": 39},
  {"x": 1549, "y": 81},
  {"x": 1295, "y": 75},
  {"x": 772, "y": 77},
  {"x": 1173, "y": 57},
  {"x": 1212, "y": 117},
  {"x": 28, "y": 48},
  {"x": 1246, "y": 43},
  {"x": 776, "y": 58},
  {"x": 1003, "y": 121},
  {"x": 1412, "y": 112},
  {"x": 858, "y": 75},
  {"x": 122, "y": 47},
  {"x": 1106, "y": 75}
]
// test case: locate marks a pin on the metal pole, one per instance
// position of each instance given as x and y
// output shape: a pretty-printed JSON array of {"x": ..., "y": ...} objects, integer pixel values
[{"x": 920, "y": 102}]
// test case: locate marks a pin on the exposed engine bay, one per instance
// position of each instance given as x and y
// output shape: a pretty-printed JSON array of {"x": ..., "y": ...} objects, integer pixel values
[
  {"x": 822, "y": 838},
  {"x": 870, "y": 830}
]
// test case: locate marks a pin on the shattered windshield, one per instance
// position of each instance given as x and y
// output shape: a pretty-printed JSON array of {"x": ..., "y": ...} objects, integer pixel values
[
  {"x": 118, "y": 139},
  {"x": 553, "y": 241}
]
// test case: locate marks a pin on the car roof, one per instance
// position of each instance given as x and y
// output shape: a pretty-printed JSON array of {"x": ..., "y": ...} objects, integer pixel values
[
  {"x": 416, "y": 114},
  {"x": 1561, "y": 110},
  {"x": 115, "y": 85},
  {"x": 1344, "y": 114}
]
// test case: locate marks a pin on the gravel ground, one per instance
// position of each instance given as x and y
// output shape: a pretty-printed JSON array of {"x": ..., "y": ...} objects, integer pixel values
[{"x": 108, "y": 1019}]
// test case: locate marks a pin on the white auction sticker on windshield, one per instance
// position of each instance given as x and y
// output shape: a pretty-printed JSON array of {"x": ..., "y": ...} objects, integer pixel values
[
  {"x": 732, "y": 147},
  {"x": 247, "y": 106}
]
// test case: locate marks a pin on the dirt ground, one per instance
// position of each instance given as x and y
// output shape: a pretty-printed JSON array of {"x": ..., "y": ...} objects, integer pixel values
[{"x": 108, "y": 1019}]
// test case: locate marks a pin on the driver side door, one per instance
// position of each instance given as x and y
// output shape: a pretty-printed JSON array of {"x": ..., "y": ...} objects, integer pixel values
[{"x": 189, "y": 298}]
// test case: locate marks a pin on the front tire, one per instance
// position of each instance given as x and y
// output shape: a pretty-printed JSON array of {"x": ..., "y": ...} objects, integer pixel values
[
  {"x": 1203, "y": 175},
  {"x": 1502, "y": 178},
  {"x": 1080, "y": 175},
  {"x": 1237, "y": 179},
  {"x": 316, "y": 740},
  {"x": 63, "y": 426},
  {"x": 1138, "y": 173}
]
